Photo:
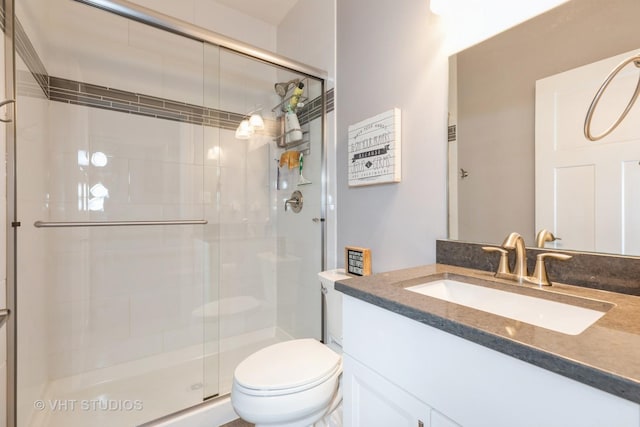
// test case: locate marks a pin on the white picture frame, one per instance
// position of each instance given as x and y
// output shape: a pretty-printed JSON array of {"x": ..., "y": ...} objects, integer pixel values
[{"x": 374, "y": 150}]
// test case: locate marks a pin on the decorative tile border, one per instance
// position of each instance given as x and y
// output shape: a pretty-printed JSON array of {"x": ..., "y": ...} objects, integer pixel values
[
  {"x": 313, "y": 109},
  {"x": 2, "y": 16},
  {"x": 27, "y": 86},
  {"x": 28, "y": 53},
  {"x": 90, "y": 95}
]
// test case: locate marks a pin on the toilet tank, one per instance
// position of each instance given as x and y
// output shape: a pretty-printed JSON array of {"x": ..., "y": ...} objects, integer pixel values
[{"x": 332, "y": 308}]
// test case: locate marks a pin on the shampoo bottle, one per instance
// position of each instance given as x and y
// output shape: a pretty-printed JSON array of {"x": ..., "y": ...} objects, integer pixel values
[
  {"x": 295, "y": 97},
  {"x": 292, "y": 130}
]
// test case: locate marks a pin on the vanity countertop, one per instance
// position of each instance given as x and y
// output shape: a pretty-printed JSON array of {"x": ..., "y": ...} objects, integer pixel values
[{"x": 605, "y": 356}]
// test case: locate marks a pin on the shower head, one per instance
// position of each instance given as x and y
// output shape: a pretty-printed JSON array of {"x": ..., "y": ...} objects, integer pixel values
[{"x": 283, "y": 87}]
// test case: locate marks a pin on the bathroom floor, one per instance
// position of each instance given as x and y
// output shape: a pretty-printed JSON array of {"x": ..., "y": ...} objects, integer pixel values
[{"x": 238, "y": 423}]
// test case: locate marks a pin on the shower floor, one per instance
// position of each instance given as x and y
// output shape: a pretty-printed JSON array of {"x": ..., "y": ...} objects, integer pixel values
[{"x": 144, "y": 390}]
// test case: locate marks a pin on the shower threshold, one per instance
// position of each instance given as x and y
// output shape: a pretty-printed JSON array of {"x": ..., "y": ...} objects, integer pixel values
[{"x": 143, "y": 390}]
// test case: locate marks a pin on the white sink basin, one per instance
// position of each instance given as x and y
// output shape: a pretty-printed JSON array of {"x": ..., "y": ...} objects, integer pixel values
[{"x": 557, "y": 316}]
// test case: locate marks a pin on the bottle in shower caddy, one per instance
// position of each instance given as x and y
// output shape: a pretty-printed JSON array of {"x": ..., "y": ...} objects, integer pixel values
[
  {"x": 292, "y": 131},
  {"x": 295, "y": 98}
]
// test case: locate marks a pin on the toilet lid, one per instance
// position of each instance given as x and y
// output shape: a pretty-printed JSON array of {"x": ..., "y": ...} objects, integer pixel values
[{"x": 287, "y": 365}]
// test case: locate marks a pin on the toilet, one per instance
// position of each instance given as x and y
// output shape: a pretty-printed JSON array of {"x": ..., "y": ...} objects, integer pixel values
[{"x": 295, "y": 383}]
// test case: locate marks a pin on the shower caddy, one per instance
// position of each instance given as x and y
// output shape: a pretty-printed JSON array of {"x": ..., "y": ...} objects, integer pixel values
[{"x": 280, "y": 110}]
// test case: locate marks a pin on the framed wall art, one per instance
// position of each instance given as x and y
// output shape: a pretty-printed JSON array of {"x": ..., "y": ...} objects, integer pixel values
[
  {"x": 357, "y": 261},
  {"x": 374, "y": 147}
]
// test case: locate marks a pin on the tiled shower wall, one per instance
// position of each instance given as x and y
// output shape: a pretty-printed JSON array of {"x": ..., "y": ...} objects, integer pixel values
[
  {"x": 150, "y": 84},
  {"x": 119, "y": 294},
  {"x": 132, "y": 293},
  {"x": 138, "y": 109},
  {"x": 32, "y": 125}
]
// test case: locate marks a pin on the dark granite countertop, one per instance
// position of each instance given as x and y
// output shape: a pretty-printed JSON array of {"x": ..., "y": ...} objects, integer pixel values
[{"x": 605, "y": 356}]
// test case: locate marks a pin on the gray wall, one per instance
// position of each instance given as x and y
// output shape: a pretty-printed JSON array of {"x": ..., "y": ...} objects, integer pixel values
[
  {"x": 389, "y": 55},
  {"x": 496, "y": 96}
]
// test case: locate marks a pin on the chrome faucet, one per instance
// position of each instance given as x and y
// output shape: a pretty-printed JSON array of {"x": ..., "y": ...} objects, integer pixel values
[{"x": 516, "y": 241}]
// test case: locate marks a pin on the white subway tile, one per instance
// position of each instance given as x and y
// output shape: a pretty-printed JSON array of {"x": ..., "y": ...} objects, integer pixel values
[
  {"x": 66, "y": 363},
  {"x": 83, "y": 40},
  {"x": 154, "y": 312}
]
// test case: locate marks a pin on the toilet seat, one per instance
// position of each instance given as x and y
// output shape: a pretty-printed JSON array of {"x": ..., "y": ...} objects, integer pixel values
[
  {"x": 289, "y": 384},
  {"x": 286, "y": 368}
]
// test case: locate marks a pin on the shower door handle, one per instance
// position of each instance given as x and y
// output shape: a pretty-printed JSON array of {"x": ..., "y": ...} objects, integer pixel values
[
  {"x": 51, "y": 224},
  {"x": 2, "y": 104}
]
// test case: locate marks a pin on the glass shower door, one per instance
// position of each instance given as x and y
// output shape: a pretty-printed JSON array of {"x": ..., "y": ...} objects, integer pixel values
[
  {"x": 156, "y": 249},
  {"x": 116, "y": 251},
  {"x": 269, "y": 255}
]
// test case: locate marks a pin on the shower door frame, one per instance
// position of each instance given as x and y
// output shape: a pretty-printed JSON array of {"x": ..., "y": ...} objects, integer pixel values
[
  {"x": 168, "y": 23},
  {"x": 12, "y": 223},
  {"x": 163, "y": 22}
]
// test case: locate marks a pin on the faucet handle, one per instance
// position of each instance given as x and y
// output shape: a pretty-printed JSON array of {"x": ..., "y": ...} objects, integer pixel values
[
  {"x": 295, "y": 202},
  {"x": 543, "y": 236},
  {"x": 540, "y": 276},
  {"x": 503, "y": 266}
]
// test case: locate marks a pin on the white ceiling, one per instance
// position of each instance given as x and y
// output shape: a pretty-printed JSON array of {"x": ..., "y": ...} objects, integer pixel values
[{"x": 270, "y": 11}]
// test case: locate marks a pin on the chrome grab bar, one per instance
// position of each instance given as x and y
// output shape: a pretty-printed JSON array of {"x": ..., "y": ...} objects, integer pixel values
[
  {"x": 587, "y": 122},
  {"x": 52, "y": 224}
]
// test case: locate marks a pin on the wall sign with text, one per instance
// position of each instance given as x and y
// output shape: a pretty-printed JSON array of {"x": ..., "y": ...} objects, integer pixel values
[
  {"x": 374, "y": 150},
  {"x": 357, "y": 261}
]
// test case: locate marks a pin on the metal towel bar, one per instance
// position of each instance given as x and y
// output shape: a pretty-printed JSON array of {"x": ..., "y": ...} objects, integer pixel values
[
  {"x": 587, "y": 122},
  {"x": 51, "y": 224}
]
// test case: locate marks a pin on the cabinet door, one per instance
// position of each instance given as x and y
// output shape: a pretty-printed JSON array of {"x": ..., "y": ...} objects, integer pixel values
[{"x": 372, "y": 401}]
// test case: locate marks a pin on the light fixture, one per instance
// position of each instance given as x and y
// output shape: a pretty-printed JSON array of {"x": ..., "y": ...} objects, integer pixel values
[
  {"x": 252, "y": 122},
  {"x": 256, "y": 121},
  {"x": 244, "y": 130},
  {"x": 99, "y": 190},
  {"x": 99, "y": 159},
  {"x": 83, "y": 158},
  {"x": 213, "y": 153}
]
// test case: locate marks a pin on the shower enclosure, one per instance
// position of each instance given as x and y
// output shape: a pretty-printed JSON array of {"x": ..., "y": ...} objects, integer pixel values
[{"x": 155, "y": 248}]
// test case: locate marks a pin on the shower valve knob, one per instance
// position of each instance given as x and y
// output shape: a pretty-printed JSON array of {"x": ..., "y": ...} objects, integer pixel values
[{"x": 295, "y": 202}]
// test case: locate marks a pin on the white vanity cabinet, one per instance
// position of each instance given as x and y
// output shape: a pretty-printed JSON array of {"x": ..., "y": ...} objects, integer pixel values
[
  {"x": 375, "y": 401},
  {"x": 399, "y": 372}
]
